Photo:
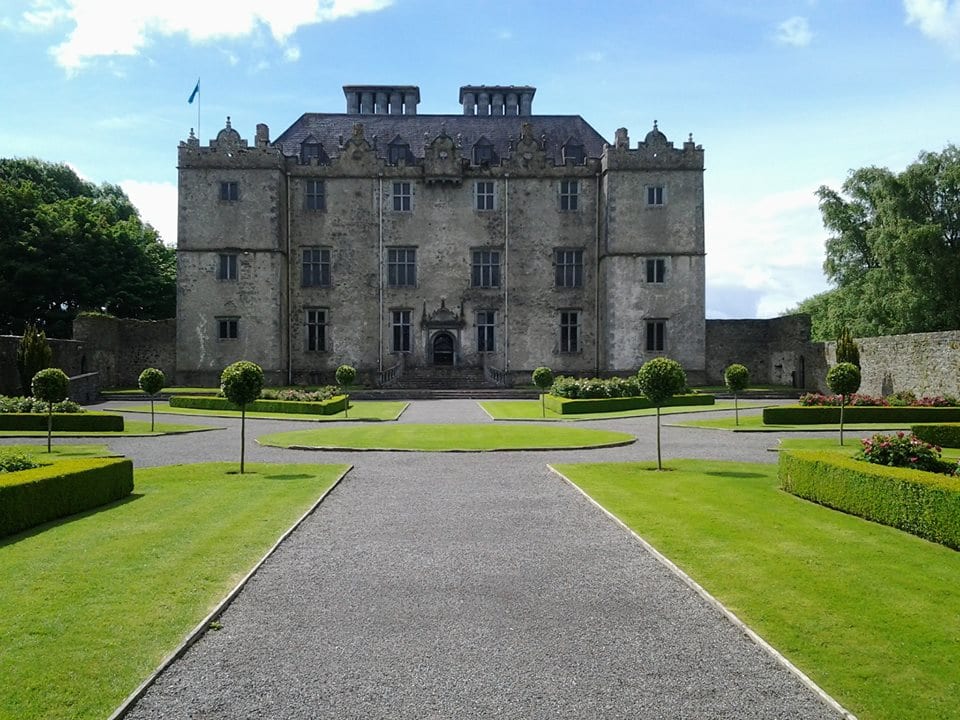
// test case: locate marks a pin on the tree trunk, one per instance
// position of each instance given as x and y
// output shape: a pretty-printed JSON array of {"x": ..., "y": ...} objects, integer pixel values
[
  {"x": 659, "y": 464},
  {"x": 49, "y": 425},
  {"x": 151, "y": 414},
  {"x": 841, "y": 420},
  {"x": 243, "y": 429},
  {"x": 736, "y": 410}
]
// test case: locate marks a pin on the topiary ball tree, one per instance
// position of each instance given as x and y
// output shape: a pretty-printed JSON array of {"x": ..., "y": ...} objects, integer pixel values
[
  {"x": 660, "y": 379},
  {"x": 736, "y": 377},
  {"x": 346, "y": 375},
  {"x": 543, "y": 379},
  {"x": 843, "y": 379},
  {"x": 241, "y": 384},
  {"x": 50, "y": 385},
  {"x": 151, "y": 381}
]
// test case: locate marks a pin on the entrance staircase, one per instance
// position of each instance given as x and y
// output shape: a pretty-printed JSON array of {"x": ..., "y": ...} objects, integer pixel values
[{"x": 440, "y": 382}]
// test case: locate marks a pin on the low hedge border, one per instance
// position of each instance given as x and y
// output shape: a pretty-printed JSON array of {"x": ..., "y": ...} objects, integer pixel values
[
  {"x": 81, "y": 422},
  {"x": 325, "y": 407},
  {"x": 942, "y": 435},
  {"x": 32, "y": 497},
  {"x": 569, "y": 406},
  {"x": 801, "y": 415},
  {"x": 921, "y": 503}
]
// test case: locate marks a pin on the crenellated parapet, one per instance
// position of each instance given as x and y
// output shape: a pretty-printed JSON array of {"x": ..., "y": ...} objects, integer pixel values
[
  {"x": 655, "y": 152},
  {"x": 230, "y": 150}
]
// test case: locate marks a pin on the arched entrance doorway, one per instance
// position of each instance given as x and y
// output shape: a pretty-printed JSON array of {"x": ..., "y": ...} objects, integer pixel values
[{"x": 443, "y": 344}]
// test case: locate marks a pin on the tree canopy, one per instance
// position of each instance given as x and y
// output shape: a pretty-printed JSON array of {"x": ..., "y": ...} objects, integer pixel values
[
  {"x": 893, "y": 252},
  {"x": 67, "y": 245}
]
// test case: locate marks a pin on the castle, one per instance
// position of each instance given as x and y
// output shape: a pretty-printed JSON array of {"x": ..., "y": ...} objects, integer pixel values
[{"x": 491, "y": 240}]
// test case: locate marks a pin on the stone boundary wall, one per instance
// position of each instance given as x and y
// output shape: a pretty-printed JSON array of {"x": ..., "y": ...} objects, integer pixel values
[
  {"x": 120, "y": 348},
  {"x": 68, "y": 355}
]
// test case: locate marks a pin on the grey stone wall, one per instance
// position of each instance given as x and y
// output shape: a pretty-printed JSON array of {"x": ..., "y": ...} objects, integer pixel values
[
  {"x": 70, "y": 356},
  {"x": 119, "y": 349}
]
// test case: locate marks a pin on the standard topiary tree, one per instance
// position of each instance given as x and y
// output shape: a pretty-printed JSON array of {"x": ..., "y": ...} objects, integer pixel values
[
  {"x": 843, "y": 379},
  {"x": 736, "y": 377},
  {"x": 241, "y": 384},
  {"x": 50, "y": 385},
  {"x": 33, "y": 355},
  {"x": 346, "y": 374},
  {"x": 543, "y": 379},
  {"x": 151, "y": 381},
  {"x": 847, "y": 350},
  {"x": 660, "y": 379}
]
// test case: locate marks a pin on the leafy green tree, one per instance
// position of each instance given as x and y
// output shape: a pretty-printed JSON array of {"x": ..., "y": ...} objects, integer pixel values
[
  {"x": 847, "y": 350},
  {"x": 660, "y": 379},
  {"x": 241, "y": 383},
  {"x": 843, "y": 379},
  {"x": 736, "y": 377},
  {"x": 543, "y": 379},
  {"x": 33, "y": 355},
  {"x": 50, "y": 385},
  {"x": 346, "y": 375},
  {"x": 151, "y": 381}
]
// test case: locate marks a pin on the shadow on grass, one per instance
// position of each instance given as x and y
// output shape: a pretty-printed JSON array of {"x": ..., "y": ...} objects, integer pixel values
[
  {"x": 733, "y": 474},
  {"x": 37, "y": 529}
]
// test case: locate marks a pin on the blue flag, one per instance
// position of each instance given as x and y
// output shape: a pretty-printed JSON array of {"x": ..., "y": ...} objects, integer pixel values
[{"x": 194, "y": 93}]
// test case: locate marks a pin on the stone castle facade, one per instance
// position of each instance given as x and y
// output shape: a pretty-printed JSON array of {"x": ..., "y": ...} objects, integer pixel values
[{"x": 397, "y": 242}]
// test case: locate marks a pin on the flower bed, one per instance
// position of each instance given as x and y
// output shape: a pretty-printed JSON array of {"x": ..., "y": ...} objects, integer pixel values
[{"x": 904, "y": 399}]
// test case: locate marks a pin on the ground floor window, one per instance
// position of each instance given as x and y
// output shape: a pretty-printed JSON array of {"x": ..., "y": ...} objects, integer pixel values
[
  {"x": 316, "y": 325},
  {"x": 656, "y": 335},
  {"x": 486, "y": 325},
  {"x": 569, "y": 331},
  {"x": 228, "y": 328},
  {"x": 400, "y": 327}
]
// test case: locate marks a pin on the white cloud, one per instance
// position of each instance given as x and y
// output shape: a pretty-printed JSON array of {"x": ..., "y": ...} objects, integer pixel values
[
  {"x": 794, "y": 31},
  {"x": 157, "y": 203},
  {"x": 108, "y": 28},
  {"x": 291, "y": 53},
  {"x": 937, "y": 19}
]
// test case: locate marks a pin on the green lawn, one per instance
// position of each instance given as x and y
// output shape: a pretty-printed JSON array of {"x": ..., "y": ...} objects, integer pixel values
[
  {"x": 134, "y": 428},
  {"x": 868, "y": 612},
  {"x": 92, "y": 604},
  {"x": 530, "y": 410},
  {"x": 754, "y": 423},
  {"x": 446, "y": 437},
  {"x": 360, "y": 410}
]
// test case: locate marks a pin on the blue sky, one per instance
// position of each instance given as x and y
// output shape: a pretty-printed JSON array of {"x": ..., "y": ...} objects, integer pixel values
[{"x": 784, "y": 95}]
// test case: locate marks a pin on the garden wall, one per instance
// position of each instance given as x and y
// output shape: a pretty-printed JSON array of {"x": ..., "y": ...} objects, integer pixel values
[
  {"x": 120, "y": 348},
  {"x": 68, "y": 355}
]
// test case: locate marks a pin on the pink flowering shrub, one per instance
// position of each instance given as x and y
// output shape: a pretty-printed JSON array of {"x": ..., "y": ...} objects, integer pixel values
[
  {"x": 902, "y": 399},
  {"x": 821, "y": 400},
  {"x": 904, "y": 450}
]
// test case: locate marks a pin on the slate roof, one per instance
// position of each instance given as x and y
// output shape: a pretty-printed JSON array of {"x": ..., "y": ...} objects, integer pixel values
[{"x": 499, "y": 130}]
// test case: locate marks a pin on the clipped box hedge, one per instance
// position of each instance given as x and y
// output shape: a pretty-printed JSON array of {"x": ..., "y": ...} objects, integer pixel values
[
  {"x": 942, "y": 435},
  {"x": 570, "y": 406},
  {"x": 325, "y": 407},
  {"x": 922, "y": 503},
  {"x": 39, "y": 495},
  {"x": 802, "y": 415},
  {"x": 66, "y": 422}
]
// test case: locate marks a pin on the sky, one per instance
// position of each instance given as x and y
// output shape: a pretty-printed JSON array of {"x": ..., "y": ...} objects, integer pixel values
[{"x": 784, "y": 95}]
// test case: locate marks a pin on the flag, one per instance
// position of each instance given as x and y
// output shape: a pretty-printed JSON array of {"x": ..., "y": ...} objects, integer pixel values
[{"x": 194, "y": 93}]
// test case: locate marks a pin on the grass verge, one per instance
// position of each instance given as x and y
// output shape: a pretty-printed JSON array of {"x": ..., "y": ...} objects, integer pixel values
[
  {"x": 530, "y": 410},
  {"x": 466, "y": 438},
  {"x": 101, "y": 597},
  {"x": 754, "y": 423},
  {"x": 868, "y": 612},
  {"x": 360, "y": 410},
  {"x": 131, "y": 428}
]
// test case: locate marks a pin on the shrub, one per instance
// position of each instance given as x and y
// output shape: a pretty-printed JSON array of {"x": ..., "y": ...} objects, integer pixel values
[
  {"x": 346, "y": 374},
  {"x": 14, "y": 461},
  {"x": 660, "y": 379},
  {"x": 595, "y": 388},
  {"x": 69, "y": 422},
  {"x": 843, "y": 379},
  {"x": 901, "y": 398},
  {"x": 736, "y": 377},
  {"x": 330, "y": 406},
  {"x": 543, "y": 378},
  {"x": 797, "y": 415},
  {"x": 241, "y": 383},
  {"x": 293, "y": 394},
  {"x": 32, "y": 405},
  {"x": 50, "y": 385},
  {"x": 151, "y": 381},
  {"x": 903, "y": 450},
  {"x": 33, "y": 355},
  {"x": 942, "y": 435},
  {"x": 847, "y": 350}
]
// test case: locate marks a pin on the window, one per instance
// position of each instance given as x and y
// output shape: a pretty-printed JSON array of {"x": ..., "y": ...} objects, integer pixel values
[
  {"x": 227, "y": 267},
  {"x": 569, "y": 194},
  {"x": 569, "y": 268},
  {"x": 569, "y": 331},
  {"x": 229, "y": 191},
  {"x": 656, "y": 270},
  {"x": 316, "y": 322},
  {"x": 573, "y": 152},
  {"x": 401, "y": 267},
  {"x": 486, "y": 269},
  {"x": 484, "y": 193},
  {"x": 401, "y": 197},
  {"x": 655, "y": 195},
  {"x": 312, "y": 151},
  {"x": 316, "y": 267},
  {"x": 400, "y": 329},
  {"x": 315, "y": 197},
  {"x": 397, "y": 151},
  {"x": 486, "y": 322},
  {"x": 483, "y": 152},
  {"x": 228, "y": 328},
  {"x": 656, "y": 335}
]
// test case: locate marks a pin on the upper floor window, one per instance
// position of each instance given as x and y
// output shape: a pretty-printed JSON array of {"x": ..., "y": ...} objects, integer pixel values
[
  {"x": 485, "y": 269},
  {"x": 315, "y": 321},
  {"x": 483, "y": 153},
  {"x": 312, "y": 151},
  {"x": 228, "y": 328},
  {"x": 229, "y": 191},
  {"x": 401, "y": 330},
  {"x": 569, "y": 268},
  {"x": 398, "y": 150},
  {"x": 316, "y": 267},
  {"x": 402, "y": 197},
  {"x": 401, "y": 267},
  {"x": 655, "y": 195},
  {"x": 486, "y": 326},
  {"x": 656, "y": 270},
  {"x": 573, "y": 151},
  {"x": 227, "y": 267},
  {"x": 656, "y": 335},
  {"x": 315, "y": 195},
  {"x": 484, "y": 192},
  {"x": 569, "y": 195},
  {"x": 569, "y": 331}
]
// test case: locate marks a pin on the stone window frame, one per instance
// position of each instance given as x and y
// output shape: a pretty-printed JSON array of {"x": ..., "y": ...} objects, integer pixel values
[
  {"x": 485, "y": 268},
  {"x": 655, "y": 195},
  {"x": 484, "y": 195},
  {"x": 228, "y": 328},
  {"x": 486, "y": 324},
  {"x": 316, "y": 323},
  {"x": 402, "y": 266},
  {"x": 656, "y": 270},
  {"x": 315, "y": 195},
  {"x": 402, "y": 196},
  {"x": 315, "y": 266},
  {"x": 568, "y": 268},
  {"x": 569, "y": 329},
  {"x": 568, "y": 195},
  {"x": 655, "y": 335},
  {"x": 401, "y": 330},
  {"x": 229, "y": 191},
  {"x": 573, "y": 151},
  {"x": 228, "y": 267}
]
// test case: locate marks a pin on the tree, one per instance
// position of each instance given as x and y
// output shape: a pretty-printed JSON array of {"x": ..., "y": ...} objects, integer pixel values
[
  {"x": 151, "y": 381},
  {"x": 736, "y": 377},
  {"x": 346, "y": 375},
  {"x": 241, "y": 383},
  {"x": 52, "y": 386},
  {"x": 843, "y": 379},
  {"x": 543, "y": 379},
  {"x": 847, "y": 350},
  {"x": 660, "y": 379},
  {"x": 33, "y": 355}
]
